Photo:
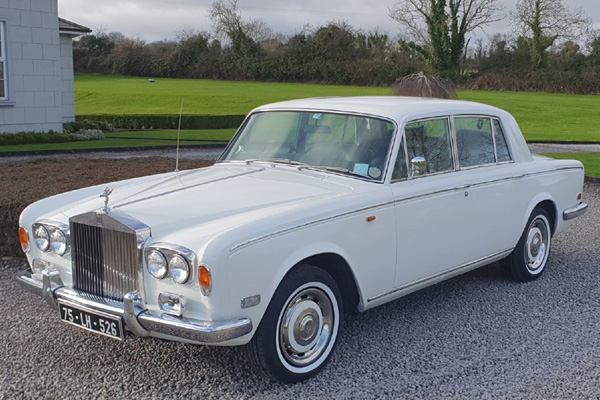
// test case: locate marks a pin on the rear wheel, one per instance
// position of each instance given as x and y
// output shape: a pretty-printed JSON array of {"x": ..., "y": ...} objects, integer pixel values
[
  {"x": 528, "y": 259},
  {"x": 300, "y": 328}
]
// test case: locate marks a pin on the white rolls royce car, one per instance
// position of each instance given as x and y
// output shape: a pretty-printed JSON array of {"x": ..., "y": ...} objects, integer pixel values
[{"x": 317, "y": 207}]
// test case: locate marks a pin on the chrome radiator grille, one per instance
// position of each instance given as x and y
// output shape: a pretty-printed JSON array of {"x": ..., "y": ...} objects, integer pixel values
[{"x": 104, "y": 261}]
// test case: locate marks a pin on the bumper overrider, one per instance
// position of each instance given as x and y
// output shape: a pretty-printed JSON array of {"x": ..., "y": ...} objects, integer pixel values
[{"x": 139, "y": 321}]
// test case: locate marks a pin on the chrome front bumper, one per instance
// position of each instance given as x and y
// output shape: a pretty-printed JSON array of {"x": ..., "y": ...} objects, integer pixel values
[
  {"x": 574, "y": 212},
  {"x": 138, "y": 320}
]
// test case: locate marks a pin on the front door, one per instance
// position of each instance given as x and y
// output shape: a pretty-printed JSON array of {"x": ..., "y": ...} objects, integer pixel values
[{"x": 434, "y": 213}]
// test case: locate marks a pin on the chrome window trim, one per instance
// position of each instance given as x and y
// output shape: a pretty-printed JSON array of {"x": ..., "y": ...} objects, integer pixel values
[
  {"x": 438, "y": 275},
  {"x": 480, "y": 116},
  {"x": 324, "y": 111},
  {"x": 454, "y": 143},
  {"x": 452, "y": 148},
  {"x": 505, "y": 141},
  {"x": 494, "y": 140}
]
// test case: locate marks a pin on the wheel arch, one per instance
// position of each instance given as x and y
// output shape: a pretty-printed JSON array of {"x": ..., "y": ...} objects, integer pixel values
[
  {"x": 550, "y": 207},
  {"x": 544, "y": 201},
  {"x": 339, "y": 269}
]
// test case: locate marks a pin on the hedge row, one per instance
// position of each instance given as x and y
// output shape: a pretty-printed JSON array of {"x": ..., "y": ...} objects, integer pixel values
[{"x": 168, "y": 121}]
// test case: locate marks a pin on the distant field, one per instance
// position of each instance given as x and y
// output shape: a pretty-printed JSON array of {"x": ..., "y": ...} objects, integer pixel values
[
  {"x": 542, "y": 116},
  {"x": 99, "y": 94}
]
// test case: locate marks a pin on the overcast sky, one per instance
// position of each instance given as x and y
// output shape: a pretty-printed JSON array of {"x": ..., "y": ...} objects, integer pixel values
[{"x": 161, "y": 19}]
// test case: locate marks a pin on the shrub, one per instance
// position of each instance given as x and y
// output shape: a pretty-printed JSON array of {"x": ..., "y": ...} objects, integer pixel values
[
  {"x": 11, "y": 139},
  {"x": 88, "y": 134},
  {"x": 167, "y": 121},
  {"x": 7, "y": 139},
  {"x": 72, "y": 127}
]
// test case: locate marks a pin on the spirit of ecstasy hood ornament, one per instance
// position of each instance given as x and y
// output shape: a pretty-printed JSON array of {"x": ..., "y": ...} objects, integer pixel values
[{"x": 106, "y": 194}]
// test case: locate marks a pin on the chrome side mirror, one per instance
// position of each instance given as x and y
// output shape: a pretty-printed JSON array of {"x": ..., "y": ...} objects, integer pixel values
[{"x": 418, "y": 166}]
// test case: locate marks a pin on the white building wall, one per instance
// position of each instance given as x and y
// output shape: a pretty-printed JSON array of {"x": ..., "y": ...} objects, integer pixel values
[
  {"x": 68, "y": 89},
  {"x": 33, "y": 67}
]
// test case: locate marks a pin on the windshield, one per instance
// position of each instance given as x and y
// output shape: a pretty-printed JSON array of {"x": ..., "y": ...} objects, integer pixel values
[{"x": 343, "y": 143}]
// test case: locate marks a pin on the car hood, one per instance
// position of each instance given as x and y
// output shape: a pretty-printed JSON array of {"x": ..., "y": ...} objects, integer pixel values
[{"x": 218, "y": 196}]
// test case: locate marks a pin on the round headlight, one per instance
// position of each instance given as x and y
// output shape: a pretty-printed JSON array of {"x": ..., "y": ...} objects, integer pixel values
[
  {"x": 42, "y": 237},
  {"x": 58, "y": 242},
  {"x": 157, "y": 264},
  {"x": 179, "y": 269}
]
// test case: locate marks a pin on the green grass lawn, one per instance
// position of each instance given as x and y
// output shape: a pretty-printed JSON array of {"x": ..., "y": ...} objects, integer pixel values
[
  {"x": 591, "y": 161},
  {"x": 542, "y": 116},
  {"x": 547, "y": 116},
  {"x": 99, "y": 94}
]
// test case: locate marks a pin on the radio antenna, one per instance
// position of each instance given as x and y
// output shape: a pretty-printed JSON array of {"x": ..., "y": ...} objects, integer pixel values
[{"x": 178, "y": 136}]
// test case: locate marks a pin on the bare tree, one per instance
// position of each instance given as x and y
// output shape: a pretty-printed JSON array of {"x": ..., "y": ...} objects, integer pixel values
[
  {"x": 442, "y": 25},
  {"x": 543, "y": 22},
  {"x": 227, "y": 22}
]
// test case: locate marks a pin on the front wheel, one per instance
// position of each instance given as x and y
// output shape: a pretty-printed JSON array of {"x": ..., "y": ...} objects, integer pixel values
[
  {"x": 528, "y": 259},
  {"x": 300, "y": 328}
]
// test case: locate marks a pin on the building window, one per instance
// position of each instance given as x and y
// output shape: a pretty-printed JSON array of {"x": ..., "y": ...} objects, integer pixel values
[{"x": 3, "y": 94}]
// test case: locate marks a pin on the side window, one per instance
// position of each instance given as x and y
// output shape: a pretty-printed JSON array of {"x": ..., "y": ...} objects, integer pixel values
[
  {"x": 3, "y": 91},
  {"x": 400, "y": 167},
  {"x": 501, "y": 146},
  {"x": 428, "y": 146},
  {"x": 474, "y": 141}
]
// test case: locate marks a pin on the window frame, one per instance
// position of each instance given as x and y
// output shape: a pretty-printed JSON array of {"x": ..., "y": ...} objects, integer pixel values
[
  {"x": 510, "y": 154},
  {"x": 452, "y": 147},
  {"x": 491, "y": 119},
  {"x": 453, "y": 144},
  {"x": 389, "y": 156},
  {"x": 3, "y": 44}
]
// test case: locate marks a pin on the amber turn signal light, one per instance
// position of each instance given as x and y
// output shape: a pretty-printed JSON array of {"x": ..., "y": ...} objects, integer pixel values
[
  {"x": 24, "y": 239},
  {"x": 204, "y": 280},
  {"x": 579, "y": 196}
]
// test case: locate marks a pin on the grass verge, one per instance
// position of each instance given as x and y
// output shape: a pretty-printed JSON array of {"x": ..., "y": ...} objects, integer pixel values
[
  {"x": 134, "y": 140},
  {"x": 591, "y": 161}
]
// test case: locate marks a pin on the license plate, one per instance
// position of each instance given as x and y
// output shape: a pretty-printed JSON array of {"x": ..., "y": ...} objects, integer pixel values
[{"x": 94, "y": 321}]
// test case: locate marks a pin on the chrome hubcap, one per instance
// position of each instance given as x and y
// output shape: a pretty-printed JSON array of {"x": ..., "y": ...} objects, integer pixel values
[
  {"x": 536, "y": 247},
  {"x": 306, "y": 327}
]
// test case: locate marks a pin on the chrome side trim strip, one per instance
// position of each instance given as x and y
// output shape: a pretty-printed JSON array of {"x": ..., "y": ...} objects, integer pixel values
[
  {"x": 439, "y": 275},
  {"x": 394, "y": 202},
  {"x": 307, "y": 224},
  {"x": 574, "y": 212}
]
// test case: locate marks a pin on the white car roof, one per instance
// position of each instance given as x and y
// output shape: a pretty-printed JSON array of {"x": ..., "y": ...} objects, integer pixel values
[{"x": 392, "y": 107}]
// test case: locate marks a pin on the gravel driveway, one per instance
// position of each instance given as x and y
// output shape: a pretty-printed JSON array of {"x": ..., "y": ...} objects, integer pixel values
[{"x": 476, "y": 336}]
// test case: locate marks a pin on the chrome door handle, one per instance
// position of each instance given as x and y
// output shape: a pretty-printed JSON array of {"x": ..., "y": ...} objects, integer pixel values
[{"x": 465, "y": 186}]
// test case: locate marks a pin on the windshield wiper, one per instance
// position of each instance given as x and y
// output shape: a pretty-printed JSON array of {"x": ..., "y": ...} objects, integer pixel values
[
  {"x": 274, "y": 161},
  {"x": 343, "y": 171}
]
